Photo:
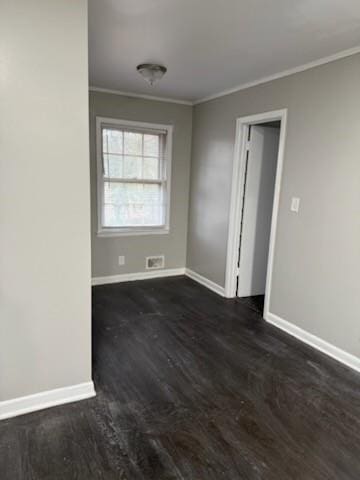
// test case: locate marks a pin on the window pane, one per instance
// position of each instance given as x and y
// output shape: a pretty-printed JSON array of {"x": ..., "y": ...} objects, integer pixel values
[
  {"x": 112, "y": 216},
  {"x": 113, "y": 165},
  {"x": 112, "y": 141},
  {"x": 151, "y": 145},
  {"x": 153, "y": 215},
  {"x": 152, "y": 194},
  {"x": 132, "y": 167},
  {"x": 133, "y": 143},
  {"x": 151, "y": 168},
  {"x": 132, "y": 204}
]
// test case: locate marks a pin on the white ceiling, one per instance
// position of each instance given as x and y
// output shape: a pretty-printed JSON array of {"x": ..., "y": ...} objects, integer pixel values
[{"x": 212, "y": 45}]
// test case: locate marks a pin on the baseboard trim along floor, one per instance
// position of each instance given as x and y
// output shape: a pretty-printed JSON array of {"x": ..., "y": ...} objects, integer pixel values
[
  {"x": 340, "y": 355},
  {"x": 205, "y": 281},
  {"x": 130, "y": 277},
  {"x": 170, "y": 272},
  {"x": 42, "y": 400},
  {"x": 325, "y": 347}
]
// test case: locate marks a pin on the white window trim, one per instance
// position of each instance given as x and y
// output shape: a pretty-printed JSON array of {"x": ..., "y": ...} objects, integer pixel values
[{"x": 130, "y": 231}]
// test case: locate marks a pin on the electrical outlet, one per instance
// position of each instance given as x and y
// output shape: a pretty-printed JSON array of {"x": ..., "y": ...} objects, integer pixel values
[{"x": 121, "y": 260}]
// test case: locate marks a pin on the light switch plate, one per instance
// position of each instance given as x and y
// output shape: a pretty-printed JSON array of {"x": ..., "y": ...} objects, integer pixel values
[
  {"x": 295, "y": 204},
  {"x": 121, "y": 260}
]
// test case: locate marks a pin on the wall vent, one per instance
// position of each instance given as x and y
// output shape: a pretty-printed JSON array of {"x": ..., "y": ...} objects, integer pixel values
[{"x": 155, "y": 262}]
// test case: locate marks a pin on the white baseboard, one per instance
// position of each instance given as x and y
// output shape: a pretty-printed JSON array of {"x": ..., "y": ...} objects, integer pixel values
[
  {"x": 340, "y": 355},
  {"x": 129, "y": 277},
  {"x": 205, "y": 282},
  {"x": 172, "y": 272},
  {"x": 42, "y": 400}
]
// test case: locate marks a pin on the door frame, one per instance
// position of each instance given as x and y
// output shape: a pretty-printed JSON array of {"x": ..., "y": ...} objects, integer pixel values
[{"x": 237, "y": 193}]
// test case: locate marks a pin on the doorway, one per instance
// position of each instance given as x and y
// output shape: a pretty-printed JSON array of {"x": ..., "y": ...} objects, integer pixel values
[{"x": 257, "y": 171}]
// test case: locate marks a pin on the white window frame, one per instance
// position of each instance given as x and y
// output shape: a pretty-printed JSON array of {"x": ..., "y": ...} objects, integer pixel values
[{"x": 167, "y": 158}]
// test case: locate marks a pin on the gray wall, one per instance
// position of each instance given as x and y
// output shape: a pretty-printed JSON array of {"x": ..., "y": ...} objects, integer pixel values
[
  {"x": 105, "y": 251},
  {"x": 317, "y": 255},
  {"x": 45, "y": 317}
]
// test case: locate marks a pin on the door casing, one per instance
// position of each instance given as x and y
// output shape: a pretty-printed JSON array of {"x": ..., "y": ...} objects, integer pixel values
[{"x": 237, "y": 194}]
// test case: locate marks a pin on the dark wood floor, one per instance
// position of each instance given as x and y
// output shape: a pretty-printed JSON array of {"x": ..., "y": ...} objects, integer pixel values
[
  {"x": 195, "y": 387},
  {"x": 255, "y": 303}
]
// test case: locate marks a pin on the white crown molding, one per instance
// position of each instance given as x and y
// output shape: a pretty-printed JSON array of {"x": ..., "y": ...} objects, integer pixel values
[
  {"x": 238, "y": 88},
  {"x": 314, "y": 341},
  {"x": 130, "y": 277},
  {"x": 138, "y": 95},
  {"x": 205, "y": 282},
  {"x": 285, "y": 73},
  {"x": 42, "y": 400}
]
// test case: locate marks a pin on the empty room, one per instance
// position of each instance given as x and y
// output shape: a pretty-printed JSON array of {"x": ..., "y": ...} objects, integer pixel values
[{"x": 180, "y": 240}]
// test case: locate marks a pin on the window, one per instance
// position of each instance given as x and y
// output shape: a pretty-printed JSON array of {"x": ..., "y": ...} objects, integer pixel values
[{"x": 134, "y": 163}]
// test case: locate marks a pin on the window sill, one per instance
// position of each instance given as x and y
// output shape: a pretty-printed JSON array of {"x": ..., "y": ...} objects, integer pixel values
[{"x": 130, "y": 232}]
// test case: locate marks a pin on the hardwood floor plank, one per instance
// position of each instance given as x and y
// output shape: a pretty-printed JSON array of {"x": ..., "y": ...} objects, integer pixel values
[{"x": 193, "y": 386}]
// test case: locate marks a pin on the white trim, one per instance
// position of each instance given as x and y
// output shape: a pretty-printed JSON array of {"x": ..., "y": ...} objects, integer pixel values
[
  {"x": 42, "y": 400},
  {"x": 205, "y": 282},
  {"x": 237, "y": 187},
  {"x": 243, "y": 86},
  {"x": 284, "y": 73},
  {"x": 340, "y": 355},
  {"x": 140, "y": 95},
  {"x": 166, "y": 180},
  {"x": 114, "y": 232},
  {"x": 130, "y": 277},
  {"x": 164, "y": 128}
]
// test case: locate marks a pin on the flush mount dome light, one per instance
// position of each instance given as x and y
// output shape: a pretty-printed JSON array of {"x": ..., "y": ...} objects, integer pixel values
[{"x": 151, "y": 72}]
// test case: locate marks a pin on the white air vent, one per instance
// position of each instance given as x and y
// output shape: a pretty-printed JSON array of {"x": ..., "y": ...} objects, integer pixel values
[{"x": 155, "y": 262}]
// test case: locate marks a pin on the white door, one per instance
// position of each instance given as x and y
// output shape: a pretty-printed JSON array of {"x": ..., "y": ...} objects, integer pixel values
[{"x": 257, "y": 209}]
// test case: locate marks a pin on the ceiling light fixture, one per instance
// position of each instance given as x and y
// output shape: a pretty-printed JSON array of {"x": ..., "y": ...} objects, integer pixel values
[{"x": 151, "y": 72}]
